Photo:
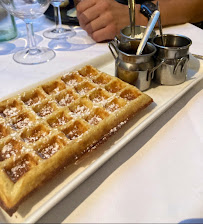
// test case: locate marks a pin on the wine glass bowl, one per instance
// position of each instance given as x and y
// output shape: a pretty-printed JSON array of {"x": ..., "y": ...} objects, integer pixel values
[{"x": 28, "y": 10}]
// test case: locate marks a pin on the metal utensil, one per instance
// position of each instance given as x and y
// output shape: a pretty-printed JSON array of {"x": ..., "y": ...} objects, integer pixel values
[
  {"x": 198, "y": 56},
  {"x": 131, "y": 6},
  {"x": 159, "y": 24},
  {"x": 150, "y": 26}
]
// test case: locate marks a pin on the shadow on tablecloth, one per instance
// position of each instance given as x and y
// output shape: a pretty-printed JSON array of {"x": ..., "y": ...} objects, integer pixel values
[{"x": 192, "y": 220}]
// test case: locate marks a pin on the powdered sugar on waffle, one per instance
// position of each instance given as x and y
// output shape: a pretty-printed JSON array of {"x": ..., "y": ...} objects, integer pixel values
[
  {"x": 22, "y": 123},
  {"x": 66, "y": 100},
  {"x": 81, "y": 110},
  {"x": 72, "y": 82},
  {"x": 95, "y": 120},
  {"x": 50, "y": 150},
  {"x": 8, "y": 150},
  {"x": 11, "y": 112},
  {"x": 46, "y": 110}
]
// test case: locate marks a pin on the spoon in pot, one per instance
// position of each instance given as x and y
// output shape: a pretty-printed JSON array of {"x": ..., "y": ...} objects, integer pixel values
[
  {"x": 131, "y": 6},
  {"x": 150, "y": 26},
  {"x": 160, "y": 25}
]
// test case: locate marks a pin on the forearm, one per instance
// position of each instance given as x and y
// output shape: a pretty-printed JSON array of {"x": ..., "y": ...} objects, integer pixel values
[
  {"x": 176, "y": 12},
  {"x": 179, "y": 11}
]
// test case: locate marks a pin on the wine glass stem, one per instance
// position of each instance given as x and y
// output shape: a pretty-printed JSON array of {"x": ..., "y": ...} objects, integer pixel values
[
  {"x": 57, "y": 15},
  {"x": 31, "y": 38}
]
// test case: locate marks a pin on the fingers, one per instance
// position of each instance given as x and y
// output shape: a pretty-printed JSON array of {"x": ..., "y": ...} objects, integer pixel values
[
  {"x": 84, "y": 5},
  {"x": 87, "y": 16},
  {"x": 106, "y": 33},
  {"x": 89, "y": 10},
  {"x": 101, "y": 18},
  {"x": 99, "y": 23}
]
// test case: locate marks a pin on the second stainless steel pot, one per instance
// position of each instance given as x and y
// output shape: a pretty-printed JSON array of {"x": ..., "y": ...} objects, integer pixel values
[{"x": 171, "y": 59}]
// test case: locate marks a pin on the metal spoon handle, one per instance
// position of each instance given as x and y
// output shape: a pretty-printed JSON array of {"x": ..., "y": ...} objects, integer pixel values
[
  {"x": 131, "y": 6},
  {"x": 150, "y": 26},
  {"x": 160, "y": 25}
]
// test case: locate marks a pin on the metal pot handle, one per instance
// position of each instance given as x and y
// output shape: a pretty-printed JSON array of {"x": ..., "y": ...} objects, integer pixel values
[
  {"x": 111, "y": 45},
  {"x": 117, "y": 39},
  {"x": 151, "y": 72},
  {"x": 181, "y": 60}
]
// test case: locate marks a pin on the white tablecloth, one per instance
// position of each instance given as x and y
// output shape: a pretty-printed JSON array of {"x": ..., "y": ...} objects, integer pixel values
[{"x": 157, "y": 177}]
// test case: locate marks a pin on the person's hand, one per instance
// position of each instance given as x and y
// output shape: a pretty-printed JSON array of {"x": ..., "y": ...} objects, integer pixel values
[{"x": 102, "y": 19}]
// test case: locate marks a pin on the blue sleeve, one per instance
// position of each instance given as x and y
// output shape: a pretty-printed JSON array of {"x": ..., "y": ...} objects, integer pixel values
[
  {"x": 126, "y": 1},
  {"x": 123, "y": 1}
]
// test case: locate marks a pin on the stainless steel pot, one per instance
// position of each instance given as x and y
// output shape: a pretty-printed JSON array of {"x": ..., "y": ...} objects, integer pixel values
[
  {"x": 132, "y": 68},
  {"x": 171, "y": 59}
]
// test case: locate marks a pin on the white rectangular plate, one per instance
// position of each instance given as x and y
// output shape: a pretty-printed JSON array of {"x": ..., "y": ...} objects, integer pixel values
[{"x": 50, "y": 194}]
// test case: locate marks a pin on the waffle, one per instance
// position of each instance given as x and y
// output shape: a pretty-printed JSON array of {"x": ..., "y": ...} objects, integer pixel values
[{"x": 48, "y": 127}]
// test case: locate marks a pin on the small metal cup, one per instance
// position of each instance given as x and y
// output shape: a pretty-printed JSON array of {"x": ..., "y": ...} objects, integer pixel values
[
  {"x": 171, "y": 59},
  {"x": 132, "y": 68},
  {"x": 139, "y": 33}
]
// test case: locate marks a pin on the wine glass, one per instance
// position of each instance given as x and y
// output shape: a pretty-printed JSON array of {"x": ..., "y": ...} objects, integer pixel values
[
  {"x": 58, "y": 32},
  {"x": 27, "y": 10}
]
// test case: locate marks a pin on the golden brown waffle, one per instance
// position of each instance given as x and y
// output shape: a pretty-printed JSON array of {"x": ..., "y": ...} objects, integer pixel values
[{"x": 48, "y": 127}]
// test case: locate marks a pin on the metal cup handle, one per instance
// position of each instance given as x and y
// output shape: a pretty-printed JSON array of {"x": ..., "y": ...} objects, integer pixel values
[
  {"x": 183, "y": 61},
  {"x": 117, "y": 39},
  {"x": 113, "y": 48},
  {"x": 151, "y": 72}
]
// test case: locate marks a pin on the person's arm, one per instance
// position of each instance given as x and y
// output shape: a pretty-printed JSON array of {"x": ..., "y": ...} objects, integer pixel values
[
  {"x": 103, "y": 19},
  {"x": 178, "y": 11}
]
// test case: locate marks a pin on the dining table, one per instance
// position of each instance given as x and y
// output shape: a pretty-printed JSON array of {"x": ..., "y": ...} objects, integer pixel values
[{"x": 154, "y": 176}]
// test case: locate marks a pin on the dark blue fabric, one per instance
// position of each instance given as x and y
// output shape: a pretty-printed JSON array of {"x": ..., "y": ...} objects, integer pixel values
[
  {"x": 126, "y": 1},
  {"x": 123, "y": 1}
]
